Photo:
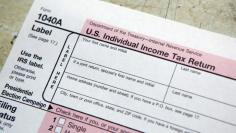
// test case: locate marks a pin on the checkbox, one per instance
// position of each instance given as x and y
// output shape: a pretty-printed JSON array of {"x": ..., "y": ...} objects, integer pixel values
[
  {"x": 61, "y": 121},
  {"x": 58, "y": 129}
]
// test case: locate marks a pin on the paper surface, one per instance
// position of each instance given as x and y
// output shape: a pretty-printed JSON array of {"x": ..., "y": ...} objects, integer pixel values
[{"x": 92, "y": 67}]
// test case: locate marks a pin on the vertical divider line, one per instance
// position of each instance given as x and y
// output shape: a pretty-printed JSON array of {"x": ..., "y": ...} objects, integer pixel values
[
  {"x": 66, "y": 66},
  {"x": 167, "y": 10},
  {"x": 170, "y": 83}
]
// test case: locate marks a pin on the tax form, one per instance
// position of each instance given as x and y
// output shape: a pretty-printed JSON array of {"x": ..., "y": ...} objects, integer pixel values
[{"x": 86, "y": 66}]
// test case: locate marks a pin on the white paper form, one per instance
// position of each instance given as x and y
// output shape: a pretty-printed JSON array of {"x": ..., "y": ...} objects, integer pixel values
[{"x": 86, "y": 66}]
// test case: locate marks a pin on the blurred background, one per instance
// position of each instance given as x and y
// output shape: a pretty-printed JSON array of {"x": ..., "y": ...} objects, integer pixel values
[{"x": 212, "y": 15}]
